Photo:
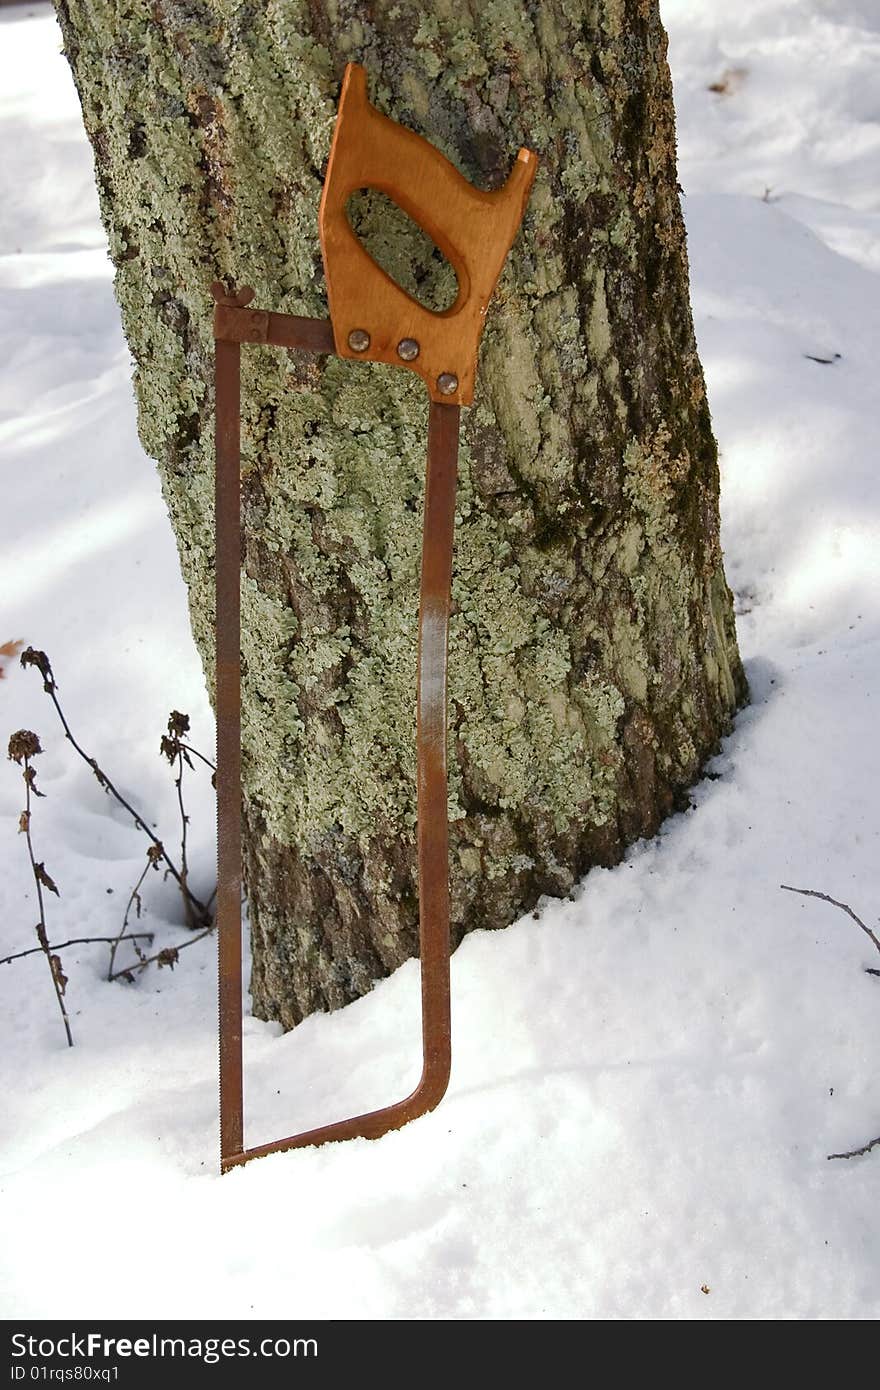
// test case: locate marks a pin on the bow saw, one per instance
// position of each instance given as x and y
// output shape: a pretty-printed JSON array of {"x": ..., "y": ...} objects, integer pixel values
[{"x": 372, "y": 319}]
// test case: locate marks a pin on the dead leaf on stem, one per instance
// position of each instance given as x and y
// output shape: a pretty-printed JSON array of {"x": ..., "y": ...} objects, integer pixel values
[
  {"x": 45, "y": 879},
  {"x": 58, "y": 972}
]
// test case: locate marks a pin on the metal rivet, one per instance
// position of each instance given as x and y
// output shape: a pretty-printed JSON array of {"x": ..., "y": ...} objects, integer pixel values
[
  {"x": 447, "y": 383},
  {"x": 408, "y": 349},
  {"x": 358, "y": 340}
]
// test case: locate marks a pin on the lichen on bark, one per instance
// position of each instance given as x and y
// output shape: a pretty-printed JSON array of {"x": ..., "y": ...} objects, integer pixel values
[{"x": 593, "y": 660}]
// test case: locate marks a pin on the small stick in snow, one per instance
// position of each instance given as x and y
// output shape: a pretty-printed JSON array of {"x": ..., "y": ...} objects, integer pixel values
[
  {"x": 857, "y": 1153},
  {"x": 177, "y": 752},
  {"x": 134, "y": 900},
  {"x": 23, "y": 746},
  {"x": 76, "y": 941},
  {"x": 844, "y": 907}
]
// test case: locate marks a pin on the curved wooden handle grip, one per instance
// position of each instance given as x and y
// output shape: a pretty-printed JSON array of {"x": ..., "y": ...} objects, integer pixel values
[{"x": 474, "y": 230}]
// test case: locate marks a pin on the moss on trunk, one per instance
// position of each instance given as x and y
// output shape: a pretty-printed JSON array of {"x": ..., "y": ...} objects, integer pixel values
[{"x": 593, "y": 655}]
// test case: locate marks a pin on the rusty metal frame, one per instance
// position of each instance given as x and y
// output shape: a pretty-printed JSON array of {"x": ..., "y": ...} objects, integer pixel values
[
  {"x": 373, "y": 319},
  {"x": 235, "y": 324}
]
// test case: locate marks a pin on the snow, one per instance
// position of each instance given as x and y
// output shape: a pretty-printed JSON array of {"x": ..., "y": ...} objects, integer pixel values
[{"x": 647, "y": 1080}]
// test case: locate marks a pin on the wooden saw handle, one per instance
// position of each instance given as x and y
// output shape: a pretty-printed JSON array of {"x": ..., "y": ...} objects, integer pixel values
[{"x": 371, "y": 315}]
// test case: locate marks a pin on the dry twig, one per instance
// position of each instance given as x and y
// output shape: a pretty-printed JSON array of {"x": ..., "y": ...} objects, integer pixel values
[
  {"x": 177, "y": 752},
  {"x": 844, "y": 907},
  {"x": 134, "y": 901},
  {"x": 23, "y": 746},
  {"x": 76, "y": 941},
  {"x": 856, "y": 1153}
]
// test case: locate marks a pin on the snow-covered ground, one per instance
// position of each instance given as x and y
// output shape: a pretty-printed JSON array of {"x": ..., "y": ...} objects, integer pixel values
[{"x": 648, "y": 1079}]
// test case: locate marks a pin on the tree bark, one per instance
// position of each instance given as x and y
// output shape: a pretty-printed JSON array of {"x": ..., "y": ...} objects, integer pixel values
[{"x": 593, "y": 655}]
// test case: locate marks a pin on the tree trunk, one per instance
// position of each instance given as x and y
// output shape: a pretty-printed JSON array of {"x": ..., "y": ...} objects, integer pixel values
[{"x": 593, "y": 659}]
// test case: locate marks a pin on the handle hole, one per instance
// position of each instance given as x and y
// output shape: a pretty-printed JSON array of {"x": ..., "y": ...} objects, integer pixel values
[{"x": 402, "y": 249}]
